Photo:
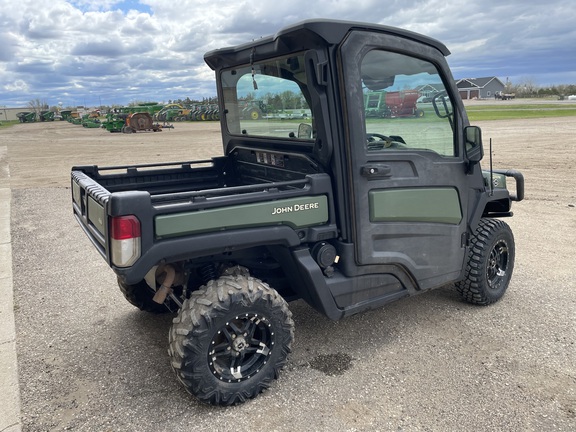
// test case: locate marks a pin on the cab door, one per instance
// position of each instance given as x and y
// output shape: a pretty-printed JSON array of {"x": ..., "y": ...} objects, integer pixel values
[{"x": 408, "y": 184}]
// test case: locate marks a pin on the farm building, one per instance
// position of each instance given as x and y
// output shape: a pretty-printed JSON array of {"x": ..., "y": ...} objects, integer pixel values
[
  {"x": 7, "y": 114},
  {"x": 479, "y": 88}
]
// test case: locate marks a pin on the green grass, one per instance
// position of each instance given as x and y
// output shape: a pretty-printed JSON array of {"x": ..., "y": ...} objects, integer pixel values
[
  {"x": 528, "y": 111},
  {"x": 7, "y": 124}
]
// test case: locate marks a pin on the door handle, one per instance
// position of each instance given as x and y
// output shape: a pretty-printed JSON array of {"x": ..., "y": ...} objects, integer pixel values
[{"x": 376, "y": 171}]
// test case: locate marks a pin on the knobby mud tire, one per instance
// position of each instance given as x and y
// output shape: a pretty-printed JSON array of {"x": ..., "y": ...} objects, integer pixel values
[
  {"x": 490, "y": 263},
  {"x": 230, "y": 340}
]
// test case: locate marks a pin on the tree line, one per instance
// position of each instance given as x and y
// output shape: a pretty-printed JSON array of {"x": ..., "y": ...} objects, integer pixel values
[{"x": 527, "y": 88}]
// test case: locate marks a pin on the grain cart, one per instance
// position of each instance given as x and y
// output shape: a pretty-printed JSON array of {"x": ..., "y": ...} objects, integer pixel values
[
  {"x": 403, "y": 104},
  {"x": 65, "y": 115},
  {"x": 392, "y": 104},
  {"x": 26, "y": 116},
  {"x": 346, "y": 212},
  {"x": 46, "y": 116}
]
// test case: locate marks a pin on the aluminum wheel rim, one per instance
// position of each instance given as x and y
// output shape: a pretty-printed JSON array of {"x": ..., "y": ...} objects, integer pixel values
[
  {"x": 241, "y": 348},
  {"x": 498, "y": 262}
]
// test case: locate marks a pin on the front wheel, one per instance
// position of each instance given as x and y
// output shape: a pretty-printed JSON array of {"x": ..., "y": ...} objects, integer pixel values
[
  {"x": 230, "y": 340},
  {"x": 490, "y": 263}
]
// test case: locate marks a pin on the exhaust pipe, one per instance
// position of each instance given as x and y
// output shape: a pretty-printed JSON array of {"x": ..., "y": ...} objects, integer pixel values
[{"x": 166, "y": 288}]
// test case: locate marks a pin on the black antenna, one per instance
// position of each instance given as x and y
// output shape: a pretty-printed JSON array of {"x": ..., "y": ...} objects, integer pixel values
[{"x": 491, "y": 171}]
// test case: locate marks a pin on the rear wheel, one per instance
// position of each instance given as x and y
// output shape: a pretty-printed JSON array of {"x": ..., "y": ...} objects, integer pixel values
[
  {"x": 230, "y": 340},
  {"x": 490, "y": 263},
  {"x": 255, "y": 114}
]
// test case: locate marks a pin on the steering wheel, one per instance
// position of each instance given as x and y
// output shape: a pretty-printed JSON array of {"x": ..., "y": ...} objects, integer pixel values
[{"x": 378, "y": 141}]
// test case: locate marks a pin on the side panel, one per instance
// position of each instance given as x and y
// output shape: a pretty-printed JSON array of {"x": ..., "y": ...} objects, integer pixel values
[
  {"x": 296, "y": 213},
  {"x": 436, "y": 205}
]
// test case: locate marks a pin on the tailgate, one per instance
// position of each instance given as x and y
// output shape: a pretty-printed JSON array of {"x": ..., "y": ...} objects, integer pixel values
[{"x": 89, "y": 201}]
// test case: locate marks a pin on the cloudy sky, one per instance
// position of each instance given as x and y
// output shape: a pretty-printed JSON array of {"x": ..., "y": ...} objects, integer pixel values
[{"x": 82, "y": 52}]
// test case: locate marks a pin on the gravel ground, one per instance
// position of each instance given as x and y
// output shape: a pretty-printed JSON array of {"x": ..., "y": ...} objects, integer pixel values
[{"x": 89, "y": 361}]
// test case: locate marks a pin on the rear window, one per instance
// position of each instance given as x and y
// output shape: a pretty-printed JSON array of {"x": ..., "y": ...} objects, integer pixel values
[{"x": 267, "y": 99}]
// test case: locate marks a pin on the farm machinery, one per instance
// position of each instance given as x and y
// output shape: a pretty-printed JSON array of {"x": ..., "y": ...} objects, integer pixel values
[
  {"x": 140, "y": 122},
  {"x": 130, "y": 122},
  {"x": 87, "y": 120},
  {"x": 46, "y": 116},
  {"x": 253, "y": 110},
  {"x": 116, "y": 118},
  {"x": 91, "y": 120},
  {"x": 75, "y": 118},
  {"x": 115, "y": 121},
  {"x": 393, "y": 104},
  {"x": 203, "y": 112},
  {"x": 65, "y": 115},
  {"x": 26, "y": 116},
  {"x": 32, "y": 116},
  {"x": 171, "y": 113}
]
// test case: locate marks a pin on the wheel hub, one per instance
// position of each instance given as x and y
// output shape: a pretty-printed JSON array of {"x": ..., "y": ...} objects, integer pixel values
[
  {"x": 497, "y": 264},
  {"x": 241, "y": 348},
  {"x": 239, "y": 344}
]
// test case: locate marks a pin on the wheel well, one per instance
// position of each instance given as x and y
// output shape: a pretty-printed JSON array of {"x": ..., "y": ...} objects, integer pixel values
[
  {"x": 262, "y": 262},
  {"x": 497, "y": 206}
]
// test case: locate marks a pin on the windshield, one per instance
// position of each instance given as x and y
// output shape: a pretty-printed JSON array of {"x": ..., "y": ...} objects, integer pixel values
[{"x": 267, "y": 99}]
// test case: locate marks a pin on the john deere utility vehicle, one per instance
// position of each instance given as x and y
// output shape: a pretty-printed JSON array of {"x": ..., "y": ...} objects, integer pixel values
[{"x": 346, "y": 211}]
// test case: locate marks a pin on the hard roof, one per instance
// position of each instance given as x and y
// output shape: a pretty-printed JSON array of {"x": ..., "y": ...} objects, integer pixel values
[{"x": 317, "y": 31}]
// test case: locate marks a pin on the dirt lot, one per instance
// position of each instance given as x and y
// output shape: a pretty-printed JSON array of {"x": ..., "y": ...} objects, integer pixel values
[{"x": 88, "y": 361}]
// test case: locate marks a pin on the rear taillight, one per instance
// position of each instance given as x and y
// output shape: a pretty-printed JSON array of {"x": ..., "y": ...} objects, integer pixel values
[{"x": 125, "y": 236}]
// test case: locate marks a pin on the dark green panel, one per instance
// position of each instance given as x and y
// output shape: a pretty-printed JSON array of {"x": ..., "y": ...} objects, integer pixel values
[
  {"x": 440, "y": 205},
  {"x": 294, "y": 212}
]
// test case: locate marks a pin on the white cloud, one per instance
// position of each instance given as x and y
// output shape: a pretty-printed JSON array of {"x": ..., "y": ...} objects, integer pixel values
[
  {"x": 125, "y": 50},
  {"x": 16, "y": 86}
]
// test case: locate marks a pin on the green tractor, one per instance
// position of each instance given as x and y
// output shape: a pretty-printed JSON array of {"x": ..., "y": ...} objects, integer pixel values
[
  {"x": 170, "y": 113},
  {"x": 254, "y": 110}
]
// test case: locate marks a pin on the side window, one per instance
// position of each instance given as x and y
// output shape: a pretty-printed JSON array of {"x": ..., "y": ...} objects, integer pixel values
[{"x": 400, "y": 94}]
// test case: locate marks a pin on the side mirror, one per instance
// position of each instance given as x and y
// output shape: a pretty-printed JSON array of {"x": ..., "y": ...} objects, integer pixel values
[
  {"x": 473, "y": 144},
  {"x": 305, "y": 131}
]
